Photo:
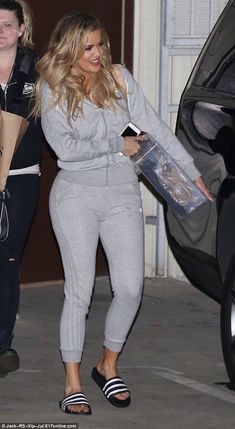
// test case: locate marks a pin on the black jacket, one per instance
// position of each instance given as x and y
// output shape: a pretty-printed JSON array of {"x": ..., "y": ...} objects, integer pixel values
[{"x": 17, "y": 99}]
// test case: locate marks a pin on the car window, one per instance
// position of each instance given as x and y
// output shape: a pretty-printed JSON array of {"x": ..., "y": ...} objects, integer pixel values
[
  {"x": 217, "y": 52},
  {"x": 226, "y": 80},
  {"x": 216, "y": 125}
]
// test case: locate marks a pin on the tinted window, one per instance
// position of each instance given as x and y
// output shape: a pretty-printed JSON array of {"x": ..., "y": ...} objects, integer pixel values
[
  {"x": 218, "y": 49},
  {"x": 226, "y": 81},
  {"x": 216, "y": 124}
]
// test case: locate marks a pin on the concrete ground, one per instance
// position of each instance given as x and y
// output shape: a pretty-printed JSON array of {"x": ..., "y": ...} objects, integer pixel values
[{"x": 172, "y": 363}]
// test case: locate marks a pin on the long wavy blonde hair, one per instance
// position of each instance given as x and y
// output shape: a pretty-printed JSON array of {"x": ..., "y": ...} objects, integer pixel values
[
  {"x": 24, "y": 16},
  {"x": 67, "y": 83},
  {"x": 26, "y": 40}
]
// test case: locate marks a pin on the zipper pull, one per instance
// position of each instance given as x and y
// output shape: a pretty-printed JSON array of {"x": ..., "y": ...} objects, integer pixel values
[
  {"x": 4, "y": 194},
  {"x": 7, "y": 193}
]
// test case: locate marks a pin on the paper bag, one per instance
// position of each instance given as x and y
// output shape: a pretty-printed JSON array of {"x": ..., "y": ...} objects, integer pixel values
[{"x": 12, "y": 129}]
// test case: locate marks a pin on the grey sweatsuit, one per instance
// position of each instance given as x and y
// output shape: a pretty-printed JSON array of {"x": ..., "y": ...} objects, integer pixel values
[{"x": 96, "y": 194}]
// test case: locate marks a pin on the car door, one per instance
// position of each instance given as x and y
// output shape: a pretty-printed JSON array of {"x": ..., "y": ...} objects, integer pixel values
[{"x": 203, "y": 243}]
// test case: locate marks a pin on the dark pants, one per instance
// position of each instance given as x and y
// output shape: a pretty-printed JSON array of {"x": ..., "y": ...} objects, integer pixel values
[{"x": 21, "y": 205}]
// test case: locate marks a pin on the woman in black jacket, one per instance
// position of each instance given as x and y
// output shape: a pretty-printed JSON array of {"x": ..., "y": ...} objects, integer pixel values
[{"x": 17, "y": 84}]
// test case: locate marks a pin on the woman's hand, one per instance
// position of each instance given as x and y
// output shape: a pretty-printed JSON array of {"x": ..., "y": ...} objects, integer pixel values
[
  {"x": 131, "y": 145},
  {"x": 203, "y": 188}
]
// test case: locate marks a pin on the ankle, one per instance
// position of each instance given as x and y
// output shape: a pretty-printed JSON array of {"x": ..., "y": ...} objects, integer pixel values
[
  {"x": 72, "y": 388},
  {"x": 107, "y": 365},
  {"x": 72, "y": 378},
  {"x": 107, "y": 369}
]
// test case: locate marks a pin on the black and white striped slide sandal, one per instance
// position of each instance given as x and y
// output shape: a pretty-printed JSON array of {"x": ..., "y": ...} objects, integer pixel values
[
  {"x": 75, "y": 399},
  {"x": 111, "y": 387}
]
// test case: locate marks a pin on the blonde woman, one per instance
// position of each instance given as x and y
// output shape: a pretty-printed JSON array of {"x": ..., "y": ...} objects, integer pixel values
[
  {"x": 17, "y": 85},
  {"x": 85, "y": 103}
]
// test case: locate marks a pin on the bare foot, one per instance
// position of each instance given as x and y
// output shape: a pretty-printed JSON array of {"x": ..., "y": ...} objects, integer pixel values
[
  {"x": 73, "y": 385},
  {"x": 109, "y": 372},
  {"x": 77, "y": 408}
]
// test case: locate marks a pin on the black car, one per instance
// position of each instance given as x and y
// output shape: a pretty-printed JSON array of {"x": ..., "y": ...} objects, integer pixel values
[{"x": 203, "y": 243}]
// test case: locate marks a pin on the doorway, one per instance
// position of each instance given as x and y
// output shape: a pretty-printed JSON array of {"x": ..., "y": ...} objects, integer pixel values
[{"x": 41, "y": 259}]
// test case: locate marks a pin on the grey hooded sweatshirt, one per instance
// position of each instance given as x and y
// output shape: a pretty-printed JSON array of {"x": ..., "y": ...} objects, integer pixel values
[{"x": 89, "y": 150}]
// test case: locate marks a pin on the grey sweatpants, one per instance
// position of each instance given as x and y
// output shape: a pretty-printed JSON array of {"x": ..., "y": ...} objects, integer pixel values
[{"x": 80, "y": 215}]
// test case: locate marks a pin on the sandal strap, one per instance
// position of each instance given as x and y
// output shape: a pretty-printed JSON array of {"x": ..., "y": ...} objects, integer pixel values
[
  {"x": 114, "y": 386},
  {"x": 74, "y": 399}
]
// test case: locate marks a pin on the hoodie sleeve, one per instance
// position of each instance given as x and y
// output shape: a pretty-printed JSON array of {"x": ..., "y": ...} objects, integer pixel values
[{"x": 146, "y": 118}]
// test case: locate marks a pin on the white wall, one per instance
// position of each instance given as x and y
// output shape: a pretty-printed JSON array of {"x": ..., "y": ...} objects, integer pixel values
[{"x": 146, "y": 71}]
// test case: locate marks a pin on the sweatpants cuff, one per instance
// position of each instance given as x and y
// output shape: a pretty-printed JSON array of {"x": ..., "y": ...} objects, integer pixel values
[
  {"x": 71, "y": 355},
  {"x": 113, "y": 345}
]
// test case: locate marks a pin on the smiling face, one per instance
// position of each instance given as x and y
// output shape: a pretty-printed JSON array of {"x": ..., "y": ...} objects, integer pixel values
[
  {"x": 10, "y": 30},
  {"x": 90, "y": 61}
]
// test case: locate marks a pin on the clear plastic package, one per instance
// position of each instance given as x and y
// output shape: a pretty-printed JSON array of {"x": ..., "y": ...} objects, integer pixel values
[{"x": 167, "y": 177}]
